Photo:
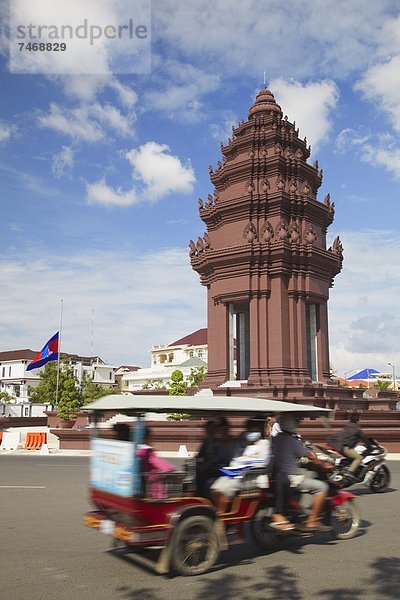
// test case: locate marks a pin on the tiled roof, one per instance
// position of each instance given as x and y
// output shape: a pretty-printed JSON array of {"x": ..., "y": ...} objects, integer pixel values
[
  {"x": 197, "y": 338},
  {"x": 195, "y": 361},
  {"x": 17, "y": 355}
]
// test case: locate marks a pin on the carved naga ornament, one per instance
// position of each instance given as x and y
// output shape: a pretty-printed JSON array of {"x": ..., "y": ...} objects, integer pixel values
[{"x": 250, "y": 233}]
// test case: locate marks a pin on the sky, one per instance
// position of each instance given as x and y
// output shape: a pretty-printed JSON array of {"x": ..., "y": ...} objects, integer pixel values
[{"x": 100, "y": 173}]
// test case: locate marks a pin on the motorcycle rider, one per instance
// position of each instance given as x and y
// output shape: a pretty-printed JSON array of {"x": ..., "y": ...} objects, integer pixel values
[
  {"x": 348, "y": 438},
  {"x": 287, "y": 448}
]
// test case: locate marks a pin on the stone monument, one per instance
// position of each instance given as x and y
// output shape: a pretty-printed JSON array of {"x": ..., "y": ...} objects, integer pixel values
[{"x": 264, "y": 260}]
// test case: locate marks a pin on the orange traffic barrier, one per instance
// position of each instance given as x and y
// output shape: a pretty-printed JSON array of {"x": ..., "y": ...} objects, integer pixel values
[
  {"x": 35, "y": 440},
  {"x": 1, "y": 436}
]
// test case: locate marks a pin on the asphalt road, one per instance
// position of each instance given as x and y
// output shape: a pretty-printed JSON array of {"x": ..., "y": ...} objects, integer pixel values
[{"x": 46, "y": 553}]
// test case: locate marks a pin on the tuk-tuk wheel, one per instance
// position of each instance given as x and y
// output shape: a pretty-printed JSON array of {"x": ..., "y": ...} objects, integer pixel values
[{"x": 195, "y": 545}]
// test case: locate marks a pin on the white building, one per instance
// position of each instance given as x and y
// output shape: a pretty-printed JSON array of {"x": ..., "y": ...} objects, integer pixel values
[
  {"x": 184, "y": 354},
  {"x": 16, "y": 380}
]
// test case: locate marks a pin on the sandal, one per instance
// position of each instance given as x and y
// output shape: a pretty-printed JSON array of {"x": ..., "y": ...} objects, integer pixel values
[{"x": 281, "y": 525}]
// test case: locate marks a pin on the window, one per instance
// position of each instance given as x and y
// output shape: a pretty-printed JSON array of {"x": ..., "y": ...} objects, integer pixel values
[
  {"x": 191, "y": 354},
  {"x": 4, "y": 372},
  {"x": 200, "y": 354},
  {"x": 9, "y": 371}
]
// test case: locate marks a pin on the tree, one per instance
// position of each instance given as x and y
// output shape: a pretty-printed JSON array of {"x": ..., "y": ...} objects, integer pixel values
[
  {"x": 383, "y": 385},
  {"x": 92, "y": 391},
  {"x": 70, "y": 398},
  {"x": 177, "y": 384},
  {"x": 5, "y": 398},
  {"x": 45, "y": 392},
  {"x": 177, "y": 387},
  {"x": 153, "y": 384},
  {"x": 197, "y": 375}
]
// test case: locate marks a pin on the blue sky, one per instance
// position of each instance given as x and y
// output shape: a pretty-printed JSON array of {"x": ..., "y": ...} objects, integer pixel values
[{"x": 100, "y": 175}]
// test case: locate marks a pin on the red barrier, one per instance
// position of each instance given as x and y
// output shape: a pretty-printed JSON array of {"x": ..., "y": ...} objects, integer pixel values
[
  {"x": 35, "y": 440},
  {"x": 1, "y": 436}
]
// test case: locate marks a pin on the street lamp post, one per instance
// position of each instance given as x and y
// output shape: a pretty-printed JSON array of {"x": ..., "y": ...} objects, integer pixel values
[
  {"x": 394, "y": 376},
  {"x": 345, "y": 376}
]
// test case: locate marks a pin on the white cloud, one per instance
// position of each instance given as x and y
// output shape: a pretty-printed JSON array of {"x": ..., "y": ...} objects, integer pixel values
[
  {"x": 160, "y": 172},
  {"x": 332, "y": 39},
  {"x": 139, "y": 299},
  {"x": 379, "y": 150},
  {"x": 309, "y": 104},
  {"x": 364, "y": 316},
  {"x": 180, "y": 89},
  {"x": 222, "y": 130},
  {"x": 347, "y": 138},
  {"x": 112, "y": 117},
  {"x": 63, "y": 162},
  {"x": 127, "y": 95},
  {"x": 86, "y": 88},
  {"x": 380, "y": 84},
  {"x": 6, "y": 131},
  {"x": 156, "y": 174},
  {"x": 82, "y": 27},
  {"x": 86, "y": 122},
  {"x": 385, "y": 153},
  {"x": 100, "y": 193}
]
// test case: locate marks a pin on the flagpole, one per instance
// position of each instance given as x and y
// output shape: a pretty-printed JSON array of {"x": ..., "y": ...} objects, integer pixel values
[{"x": 59, "y": 350}]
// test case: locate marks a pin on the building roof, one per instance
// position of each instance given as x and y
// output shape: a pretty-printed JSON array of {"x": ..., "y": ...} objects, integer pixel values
[
  {"x": 127, "y": 368},
  {"x": 364, "y": 374},
  {"x": 197, "y": 338},
  {"x": 195, "y": 361},
  {"x": 25, "y": 354}
]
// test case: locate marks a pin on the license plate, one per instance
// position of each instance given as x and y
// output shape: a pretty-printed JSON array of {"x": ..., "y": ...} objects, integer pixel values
[{"x": 107, "y": 527}]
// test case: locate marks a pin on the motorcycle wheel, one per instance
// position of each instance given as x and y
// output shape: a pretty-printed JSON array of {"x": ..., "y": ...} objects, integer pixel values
[
  {"x": 264, "y": 537},
  {"x": 345, "y": 520},
  {"x": 381, "y": 480}
]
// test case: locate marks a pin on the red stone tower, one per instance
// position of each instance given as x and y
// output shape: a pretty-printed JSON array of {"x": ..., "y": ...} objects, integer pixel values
[{"x": 264, "y": 259}]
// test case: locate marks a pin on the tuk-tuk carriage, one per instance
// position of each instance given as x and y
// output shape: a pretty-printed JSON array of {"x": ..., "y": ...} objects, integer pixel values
[{"x": 185, "y": 526}]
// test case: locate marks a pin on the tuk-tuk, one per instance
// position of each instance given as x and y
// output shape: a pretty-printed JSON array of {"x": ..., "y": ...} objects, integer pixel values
[{"x": 186, "y": 527}]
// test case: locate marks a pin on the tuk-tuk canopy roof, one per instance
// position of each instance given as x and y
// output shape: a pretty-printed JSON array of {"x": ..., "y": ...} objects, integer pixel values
[{"x": 140, "y": 404}]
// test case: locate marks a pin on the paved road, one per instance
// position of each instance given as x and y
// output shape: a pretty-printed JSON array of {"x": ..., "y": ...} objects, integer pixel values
[{"x": 45, "y": 552}]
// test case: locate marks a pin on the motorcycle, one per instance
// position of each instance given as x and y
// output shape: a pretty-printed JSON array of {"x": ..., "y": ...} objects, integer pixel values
[
  {"x": 340, "y": 512},
  {"x": 372, "y": 472}
]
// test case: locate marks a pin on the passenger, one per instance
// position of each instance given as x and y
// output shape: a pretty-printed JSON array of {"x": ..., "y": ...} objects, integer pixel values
[
  {"x": 349, "y": 436},
  {"x": 255, "y": 453},
  {"x": 216, "y": 451},
  {"x": 286, "y": 450},
  {"x": 152, "y": 465},
  {"x": 275, "y": 427},
  {"x": 122, "y": 431}
]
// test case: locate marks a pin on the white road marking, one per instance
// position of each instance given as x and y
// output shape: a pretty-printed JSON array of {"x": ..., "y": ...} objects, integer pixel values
[{"x": 23, "y": 487}]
